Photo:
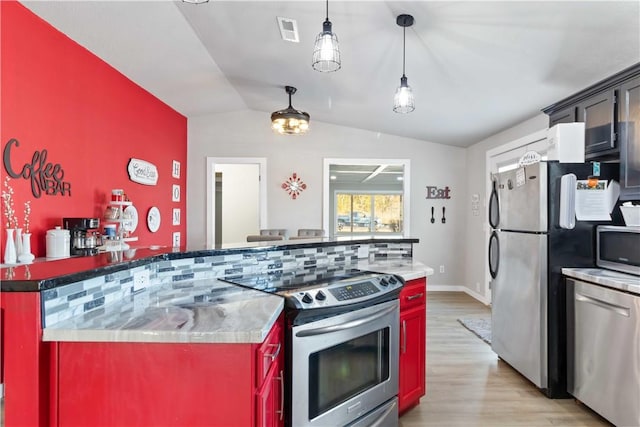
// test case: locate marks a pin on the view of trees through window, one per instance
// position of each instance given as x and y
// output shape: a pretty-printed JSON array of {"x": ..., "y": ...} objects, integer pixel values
[{"x": 368, "y": 213}]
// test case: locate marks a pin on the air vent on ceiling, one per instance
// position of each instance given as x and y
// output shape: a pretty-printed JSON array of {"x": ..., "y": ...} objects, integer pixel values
[{"x": 288, "y": 29}]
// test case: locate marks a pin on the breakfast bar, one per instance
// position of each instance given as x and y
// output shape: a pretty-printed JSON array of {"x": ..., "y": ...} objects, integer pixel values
[{"x": 156, "y": 338}]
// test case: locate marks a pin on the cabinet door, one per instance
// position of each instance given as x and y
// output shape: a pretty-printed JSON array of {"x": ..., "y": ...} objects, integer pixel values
[
  {"x": 270, "y": 399},
  {"x": 629, "y": 131},
  {"x": 568, "y": 115},
  {"x": 597, "y": 113},
  {"x": 270, "y": 371},
  {"x": 411, "y": 384}
]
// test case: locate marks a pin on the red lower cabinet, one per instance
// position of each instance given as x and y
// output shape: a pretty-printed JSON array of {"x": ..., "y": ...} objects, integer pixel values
[
  {"x": 413, "y": 318},
  {"x": 172, "y": 384}
]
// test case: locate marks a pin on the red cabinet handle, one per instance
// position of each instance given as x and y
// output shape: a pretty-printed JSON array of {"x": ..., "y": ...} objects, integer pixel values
[
  {"x": 281, "y": 379},
  {"x": 404, "y": 336},
  {"x": 276, "y": 353},
  {"x": 412, "y": 297}
]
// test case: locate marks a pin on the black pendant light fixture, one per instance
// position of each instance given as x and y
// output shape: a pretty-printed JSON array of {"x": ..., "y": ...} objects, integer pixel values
[
  {"x": 290, "y": 121},
  {"x": 403, "y": 101},
  {"x": 326, "y": 53}
]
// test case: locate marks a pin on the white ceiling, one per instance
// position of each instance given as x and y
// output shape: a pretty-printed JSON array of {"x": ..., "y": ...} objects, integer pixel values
[{"x": 475, "y": 67}]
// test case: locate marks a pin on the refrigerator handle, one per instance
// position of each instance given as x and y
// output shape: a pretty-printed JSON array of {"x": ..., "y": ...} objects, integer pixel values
[
  {"x": 494, "y": 206},
  {"x": 494, "y": 254}
]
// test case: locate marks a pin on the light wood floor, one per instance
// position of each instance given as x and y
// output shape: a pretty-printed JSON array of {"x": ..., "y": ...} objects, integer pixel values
[{"x": 467, "y": 385}]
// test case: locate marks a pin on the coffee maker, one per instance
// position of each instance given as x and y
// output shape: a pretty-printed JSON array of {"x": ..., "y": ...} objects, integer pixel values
[{"x": 84, "y": 235}]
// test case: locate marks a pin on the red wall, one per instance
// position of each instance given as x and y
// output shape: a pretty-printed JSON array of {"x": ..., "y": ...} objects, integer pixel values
[{"x": 56, "y": 95}]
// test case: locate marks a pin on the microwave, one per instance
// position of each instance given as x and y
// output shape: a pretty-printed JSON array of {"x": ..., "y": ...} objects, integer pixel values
[{"x": 618, "y": 248}]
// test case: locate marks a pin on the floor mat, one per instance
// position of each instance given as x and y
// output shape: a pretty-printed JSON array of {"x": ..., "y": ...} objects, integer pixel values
[{"x": 480, "y": 327}]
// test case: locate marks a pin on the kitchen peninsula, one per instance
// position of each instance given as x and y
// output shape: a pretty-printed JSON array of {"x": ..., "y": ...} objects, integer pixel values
[{"x": 74, "y": 328}]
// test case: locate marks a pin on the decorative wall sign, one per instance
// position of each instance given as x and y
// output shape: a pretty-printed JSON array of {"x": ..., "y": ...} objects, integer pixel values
[
  {"x": 44, "y": 176},
  {"x": 294, "y": 186},
  {"x": 153, "y": 219},
  {"x": 142, "y": 172},
  {"x": 176, "y": 216},
  {"x": 175, "y": 193},
  {"x": 176, "y": 239},
  {"x": 438, "y": 193},
  {"x": 529, "y": 158},
  {"x": 175, "y": 170}
]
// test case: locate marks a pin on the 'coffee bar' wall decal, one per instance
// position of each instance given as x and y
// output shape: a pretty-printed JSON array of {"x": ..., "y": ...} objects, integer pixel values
[{"x": 44, "y": 176}]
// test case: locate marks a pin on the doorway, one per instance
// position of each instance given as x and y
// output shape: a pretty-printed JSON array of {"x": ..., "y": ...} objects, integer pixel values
[{"x": 236, "y": 199}]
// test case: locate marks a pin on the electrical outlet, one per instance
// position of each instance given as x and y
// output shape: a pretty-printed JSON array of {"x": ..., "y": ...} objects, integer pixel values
[
  {"x": 140, "y": 280},
  {"x": 442, "y": 269}
]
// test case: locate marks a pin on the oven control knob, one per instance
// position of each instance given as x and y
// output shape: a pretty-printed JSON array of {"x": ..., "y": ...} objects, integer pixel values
[
  {"x": 393, "y": 280},
  {"x": 307, "y": 298},
  {"x": 384, "y": 282},
  {"x": 320, "y": 296}
]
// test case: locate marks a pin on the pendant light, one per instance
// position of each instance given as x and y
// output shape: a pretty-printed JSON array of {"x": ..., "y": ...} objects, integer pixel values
[
  {"x": 403, "y": 101},
  {"x": 326, "y": 53},
  {"x": 290, "y": 121}
]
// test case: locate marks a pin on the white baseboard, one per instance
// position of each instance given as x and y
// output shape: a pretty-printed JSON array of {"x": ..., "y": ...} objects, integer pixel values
[{"x": 452, "y": 288}]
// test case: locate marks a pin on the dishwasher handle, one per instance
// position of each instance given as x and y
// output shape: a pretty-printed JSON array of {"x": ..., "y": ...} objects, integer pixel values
[{"x": 618, "y": 309}]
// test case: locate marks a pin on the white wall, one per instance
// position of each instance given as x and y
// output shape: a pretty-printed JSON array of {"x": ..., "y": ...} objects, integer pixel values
[
  {"x": 475, "y": 275},
  {"x": 248, "y": 134}
]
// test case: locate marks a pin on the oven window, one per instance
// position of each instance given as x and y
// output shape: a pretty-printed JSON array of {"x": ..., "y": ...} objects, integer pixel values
[{"x": 340, "y": 372}]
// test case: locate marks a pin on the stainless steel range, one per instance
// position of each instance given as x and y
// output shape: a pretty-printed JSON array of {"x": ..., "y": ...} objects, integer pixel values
[{"x": 342, "y": 343}]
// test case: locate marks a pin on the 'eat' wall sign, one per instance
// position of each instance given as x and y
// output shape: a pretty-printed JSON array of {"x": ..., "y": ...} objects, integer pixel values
[{"x": 437, "y": 193}]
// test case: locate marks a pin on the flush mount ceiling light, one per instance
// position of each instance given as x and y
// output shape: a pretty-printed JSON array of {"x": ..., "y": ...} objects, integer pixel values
[
  {"x": 290, "y": 120},
  {"x": 195, "y": 1},
  {"x": 326, "y": 53},
  {"x": 403, "y": 101}
]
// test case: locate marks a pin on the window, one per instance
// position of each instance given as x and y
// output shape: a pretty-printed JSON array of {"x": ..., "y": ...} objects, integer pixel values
[
  {"x": 366, "y": 197},
  {"x": 368, "y": 213}
]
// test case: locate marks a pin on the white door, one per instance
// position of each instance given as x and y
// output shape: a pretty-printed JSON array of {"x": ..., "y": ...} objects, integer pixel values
[{"x": 236, "y": 199}]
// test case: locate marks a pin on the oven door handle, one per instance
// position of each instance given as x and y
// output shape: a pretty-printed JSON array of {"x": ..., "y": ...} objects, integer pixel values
[{"x": 348, "y": 325}]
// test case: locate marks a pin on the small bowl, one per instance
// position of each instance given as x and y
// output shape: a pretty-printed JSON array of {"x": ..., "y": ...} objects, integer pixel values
[{"x": 631, "y": 215}]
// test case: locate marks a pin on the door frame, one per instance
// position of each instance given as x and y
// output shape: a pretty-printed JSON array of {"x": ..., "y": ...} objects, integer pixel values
[{"x": 211, "y": 187}]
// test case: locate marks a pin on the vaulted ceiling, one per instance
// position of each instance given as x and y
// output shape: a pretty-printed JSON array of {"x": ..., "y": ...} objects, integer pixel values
[{"x": 475, "y": 67}]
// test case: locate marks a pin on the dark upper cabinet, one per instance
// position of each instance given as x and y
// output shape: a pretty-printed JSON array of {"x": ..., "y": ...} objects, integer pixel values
[
  {"x": 600, "y": 107},
  {"x": 598, "y": 114},
  {"x": 568, "y": 115},
  {"x": 629, "y": 135}
]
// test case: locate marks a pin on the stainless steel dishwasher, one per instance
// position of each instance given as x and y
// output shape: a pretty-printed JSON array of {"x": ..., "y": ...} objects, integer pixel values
[{"x": 604, "y": 355}]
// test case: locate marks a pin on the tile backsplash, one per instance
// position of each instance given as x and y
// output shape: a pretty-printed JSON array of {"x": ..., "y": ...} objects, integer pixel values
[{"x": 93, "y": 294}]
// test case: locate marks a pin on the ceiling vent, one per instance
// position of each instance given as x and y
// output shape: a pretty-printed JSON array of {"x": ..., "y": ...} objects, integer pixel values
[{"x": 288, "y": 29}]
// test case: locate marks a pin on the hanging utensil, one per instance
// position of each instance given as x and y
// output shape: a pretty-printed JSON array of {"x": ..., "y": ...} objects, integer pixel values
[
  {"x": 444, "y": 220},
  {"x": 432, "y": 213}
]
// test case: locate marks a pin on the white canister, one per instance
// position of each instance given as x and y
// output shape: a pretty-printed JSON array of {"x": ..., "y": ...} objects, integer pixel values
[{"x": 58, "y": 243}]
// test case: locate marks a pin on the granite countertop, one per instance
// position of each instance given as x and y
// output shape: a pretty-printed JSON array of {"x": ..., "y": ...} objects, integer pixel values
[
  {"x": 608, "y": 278},
  {"x": 408, "y": 269},
  {"x": 202, "y": 311}
]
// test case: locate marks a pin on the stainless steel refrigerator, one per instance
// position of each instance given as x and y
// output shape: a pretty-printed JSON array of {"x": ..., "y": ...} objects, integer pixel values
[{"x": 527, "y": 250}]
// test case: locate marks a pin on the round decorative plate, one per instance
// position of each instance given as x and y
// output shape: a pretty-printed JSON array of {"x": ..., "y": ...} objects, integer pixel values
[
  {"x": 130, "y": 219},
  {"x": 153, "y": 219}
]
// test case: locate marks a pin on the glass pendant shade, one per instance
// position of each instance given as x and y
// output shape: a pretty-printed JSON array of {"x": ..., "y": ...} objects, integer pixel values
[
  {"x": 290, "y": 121},
  {"x": 326, "y": 52},
  {"x": 403, "y": 101}
]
